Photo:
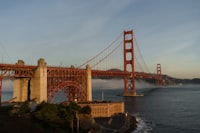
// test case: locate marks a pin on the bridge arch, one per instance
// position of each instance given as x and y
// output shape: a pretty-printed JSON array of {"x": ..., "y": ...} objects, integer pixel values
[{"x": 73, "y": 91}]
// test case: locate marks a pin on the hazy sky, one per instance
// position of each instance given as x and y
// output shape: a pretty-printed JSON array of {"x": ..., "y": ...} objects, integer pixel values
[{"x": 167, "y": 31}]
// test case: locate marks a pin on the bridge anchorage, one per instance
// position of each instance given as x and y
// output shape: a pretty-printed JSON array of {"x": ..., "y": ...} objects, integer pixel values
[{"x": 43, "y": 82}]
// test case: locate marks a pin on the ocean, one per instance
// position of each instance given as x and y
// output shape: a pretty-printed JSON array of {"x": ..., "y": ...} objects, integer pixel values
[
  {"x": 167, "y": 110},
  {"x": 161, "y": 110}
]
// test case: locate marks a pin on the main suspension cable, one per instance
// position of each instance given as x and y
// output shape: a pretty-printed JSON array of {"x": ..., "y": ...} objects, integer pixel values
[{"x": 101, "y": 51}]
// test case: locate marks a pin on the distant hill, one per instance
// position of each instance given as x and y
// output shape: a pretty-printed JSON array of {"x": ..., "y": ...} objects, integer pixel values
[
  {"x": 167, "y": 79},
  {"x": 171, "y": 80}
]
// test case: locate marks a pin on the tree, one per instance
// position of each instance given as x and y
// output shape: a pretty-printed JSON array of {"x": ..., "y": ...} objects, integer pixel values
[
  {"x": 86, "y": 109},
  {"x": 24, "y": 108},
  {"x": 47, "y": 112},
  {"x": 74, "y": 106}
]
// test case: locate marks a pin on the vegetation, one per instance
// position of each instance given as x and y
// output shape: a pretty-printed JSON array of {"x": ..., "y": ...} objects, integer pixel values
[
  {"x": 58, "y": 117},
  {"x": 47, "y": 112},
  {"x": 86, "y": 110},
  {"x": 24, "y": 108}
]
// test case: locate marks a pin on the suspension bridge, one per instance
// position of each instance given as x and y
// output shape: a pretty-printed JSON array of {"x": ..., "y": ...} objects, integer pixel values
[{"x": 42, "y": 82}]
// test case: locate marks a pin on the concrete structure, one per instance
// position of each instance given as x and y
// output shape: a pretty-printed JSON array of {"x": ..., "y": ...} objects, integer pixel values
[
  {"x": 20, "y": 92},
  {"x": 32, "y": 87},
  {"x": 89, "y": 83},
  {"x": 39, "y": 82},
  {"x": 104, "y": 109}
]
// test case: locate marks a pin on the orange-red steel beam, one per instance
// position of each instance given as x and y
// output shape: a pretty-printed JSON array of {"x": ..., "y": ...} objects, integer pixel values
[
  {"x": 65, "y": 78},
  {"x": 99, "y": 73},
  {"x": 10, "y": 70}
]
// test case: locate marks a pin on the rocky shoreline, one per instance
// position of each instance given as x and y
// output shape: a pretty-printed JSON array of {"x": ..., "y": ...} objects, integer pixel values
[{"x": 118, "y": 123}]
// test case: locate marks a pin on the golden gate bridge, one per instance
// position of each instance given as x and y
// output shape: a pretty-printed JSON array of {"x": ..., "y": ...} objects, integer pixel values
[{"x": 43, "y": 82}]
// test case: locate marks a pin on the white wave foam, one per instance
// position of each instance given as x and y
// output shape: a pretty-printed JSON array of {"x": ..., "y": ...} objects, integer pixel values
[{"x": 143, "y": 126}]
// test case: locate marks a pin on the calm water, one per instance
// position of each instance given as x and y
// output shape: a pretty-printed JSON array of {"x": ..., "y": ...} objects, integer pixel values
[
  {"x": 168, "y": 110},
  {"x": 7, "y": 95},
  {"x": 161, "y": 110}
]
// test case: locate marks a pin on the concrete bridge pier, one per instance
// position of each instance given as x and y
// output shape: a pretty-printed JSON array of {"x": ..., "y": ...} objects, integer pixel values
[
  {"x": 20, "y": 92},
  {"x": 39, "y": 82},
  {"x": 34, "y": 87},
  {"x": 89, "y": 83}
]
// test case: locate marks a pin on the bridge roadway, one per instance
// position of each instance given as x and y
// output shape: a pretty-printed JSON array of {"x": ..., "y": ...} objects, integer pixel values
[
  {"x": 138, "y": 75},
  {"x": 26, "y": 71},
  {"x": 57, "y": 78}
]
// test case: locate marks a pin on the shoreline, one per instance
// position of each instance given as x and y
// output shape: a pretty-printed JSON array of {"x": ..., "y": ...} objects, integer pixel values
[{"x": 118, "y": 123}]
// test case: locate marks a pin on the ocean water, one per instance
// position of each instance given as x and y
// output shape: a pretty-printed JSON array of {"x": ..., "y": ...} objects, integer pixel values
[
  {"x": 160, "y": 110},
  {"x": 167, "y": 110},
  {"x": 6, "y": 95}
]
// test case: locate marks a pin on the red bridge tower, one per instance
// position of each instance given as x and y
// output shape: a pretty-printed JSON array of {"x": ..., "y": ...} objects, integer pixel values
[
  {"x": 159, "y": 75},
  {"x": 129, "y": 82}
]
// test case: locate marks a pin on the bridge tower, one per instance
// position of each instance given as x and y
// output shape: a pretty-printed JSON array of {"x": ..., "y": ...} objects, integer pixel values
[
  {"x": 129, "y": 82},
  {"x": 159, "y": 75}
]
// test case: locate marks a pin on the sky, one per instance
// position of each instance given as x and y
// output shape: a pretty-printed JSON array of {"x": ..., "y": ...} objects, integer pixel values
[{"x": 69, "y": 32}]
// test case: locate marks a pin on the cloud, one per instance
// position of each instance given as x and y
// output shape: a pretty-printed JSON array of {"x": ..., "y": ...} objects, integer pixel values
[
  {"x": 118, "y": 84},
  {"x": 107, "y": 84}
]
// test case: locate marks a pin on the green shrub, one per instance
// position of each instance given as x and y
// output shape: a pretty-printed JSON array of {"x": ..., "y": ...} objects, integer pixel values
[
  {"x": 86, "y": 109},
  {"x": 47, "y": 112},
  {"x": 24, "y": 108}
]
